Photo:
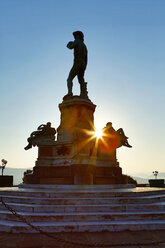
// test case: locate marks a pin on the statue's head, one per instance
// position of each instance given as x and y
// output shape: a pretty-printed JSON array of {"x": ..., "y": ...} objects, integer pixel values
[
  {"x": 109, "y": 124},
  {"x": 48, "y": 124},
  {"x": 78, "y": 34}
]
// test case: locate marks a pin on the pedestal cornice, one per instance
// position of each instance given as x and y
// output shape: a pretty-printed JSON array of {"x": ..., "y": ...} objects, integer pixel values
[{"x": 76, "y": 100}]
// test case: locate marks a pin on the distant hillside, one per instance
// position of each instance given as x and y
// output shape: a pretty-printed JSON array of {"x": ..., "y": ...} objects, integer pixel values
[
  {"x": 16, "y": 173},
  {"x": 141, "y": 180},
  {"x": 161, "y": 175}
]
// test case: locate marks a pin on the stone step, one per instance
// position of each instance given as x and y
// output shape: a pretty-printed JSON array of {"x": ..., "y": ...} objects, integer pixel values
[
  {"x": 48, "y": 227},
  {"x": 93, "y": 187},
  {"x": 79, "y": 193},
  {"x": 84, "y": 201},
  {"x": 89, "y": 210},
  {"x": 79, "y": 217},
  {"x": 36, "y": 208}
]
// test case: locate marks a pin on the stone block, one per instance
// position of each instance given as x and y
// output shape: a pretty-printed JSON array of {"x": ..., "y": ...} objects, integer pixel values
[
  {"x": 45, "y": 151},
  {"x": 62, "y": 180},
  {"x": 156, "y": 183},
  {"x": 6, "y": 181},
  {"x": 106, "y": 180}
]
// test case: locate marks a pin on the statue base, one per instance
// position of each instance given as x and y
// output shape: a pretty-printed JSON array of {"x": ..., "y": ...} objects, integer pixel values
[
  {"x": 75, "y": 157},
  {"x": 76, "y": 174}
]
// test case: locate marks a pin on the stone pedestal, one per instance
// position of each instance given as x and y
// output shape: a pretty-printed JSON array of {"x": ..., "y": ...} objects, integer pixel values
[
  {"x": 75, "y": 157},
  {"x": 156, "y": 183},
  {"x": 83, "y": 174},
  {"x": 6, "y": 181},
  {"x": 76, "y": 114}
]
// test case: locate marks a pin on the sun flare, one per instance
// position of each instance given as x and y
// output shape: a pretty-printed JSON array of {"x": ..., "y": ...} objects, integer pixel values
[{"x": 98, "y": 133}]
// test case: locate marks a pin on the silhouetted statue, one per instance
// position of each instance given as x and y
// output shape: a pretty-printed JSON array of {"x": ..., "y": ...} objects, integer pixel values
[
  {"x": 112, "y": 139},
  {"x": 43, "y": 132},
  {"x": 79, "y": 65},
  {"x": 123, "y": 138},
  {"x": 117, "y": 136}
]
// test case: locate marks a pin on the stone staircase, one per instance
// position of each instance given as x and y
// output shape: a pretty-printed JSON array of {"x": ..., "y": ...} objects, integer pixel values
[{"x": 80, "y": 209}]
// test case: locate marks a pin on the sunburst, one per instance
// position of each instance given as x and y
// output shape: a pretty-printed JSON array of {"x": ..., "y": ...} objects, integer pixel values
[
  {"x": 93, "y": 136},
  {"x": 98, "y": 133}
]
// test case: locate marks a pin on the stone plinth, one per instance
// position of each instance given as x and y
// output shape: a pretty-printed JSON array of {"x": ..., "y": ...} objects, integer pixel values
[
  {"x": 76, "y": 156},
  {"x": 6, "y": 181},
  {"x": 76, "y": 115},
  {"x": 83, "y": 174},
  {"x": 156, "y": 183}
]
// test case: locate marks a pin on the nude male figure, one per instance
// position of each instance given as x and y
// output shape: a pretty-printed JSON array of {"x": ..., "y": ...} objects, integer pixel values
[{"x": 80, "y": 63}]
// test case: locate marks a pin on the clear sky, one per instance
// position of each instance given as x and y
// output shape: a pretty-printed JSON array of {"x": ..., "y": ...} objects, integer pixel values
[{"x": 125, "y": 73}]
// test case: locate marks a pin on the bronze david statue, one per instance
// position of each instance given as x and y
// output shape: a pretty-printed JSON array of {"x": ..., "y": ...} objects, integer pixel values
[{"x": 79, "y": 65}]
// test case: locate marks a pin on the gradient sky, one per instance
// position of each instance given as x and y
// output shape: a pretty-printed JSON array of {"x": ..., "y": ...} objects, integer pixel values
[{"x": 125, "y": 73}]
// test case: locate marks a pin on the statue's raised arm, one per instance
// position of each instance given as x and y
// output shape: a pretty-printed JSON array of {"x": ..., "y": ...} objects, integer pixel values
[
  {"x": 71, "y": 44},
  {"x": 79, "y": 65}
]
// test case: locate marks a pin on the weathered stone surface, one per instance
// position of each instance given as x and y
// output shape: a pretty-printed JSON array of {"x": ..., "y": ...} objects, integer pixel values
[
  {"x": 95, "y": 208},
  {"x": 76, "y": 115}
]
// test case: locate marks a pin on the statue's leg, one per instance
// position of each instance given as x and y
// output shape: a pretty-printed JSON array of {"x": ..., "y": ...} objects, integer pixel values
[
  {"x": 120, "y": 131},
  {"x": 83, "y": 85},
  {"x": 123, "y": 138},
  {"x": 30, "y": 144},
  {"x": 80, "y": 76},
  {"x": 127, "y": 144},
  {"x": 72, "y": 74}
]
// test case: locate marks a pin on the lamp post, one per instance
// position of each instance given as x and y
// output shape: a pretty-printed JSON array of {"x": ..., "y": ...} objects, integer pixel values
[
  {"x": 4, "y": 162},
  {"x": 155, "y": 174}
]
